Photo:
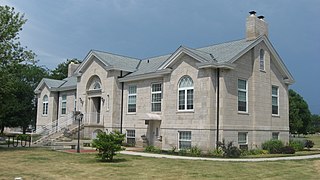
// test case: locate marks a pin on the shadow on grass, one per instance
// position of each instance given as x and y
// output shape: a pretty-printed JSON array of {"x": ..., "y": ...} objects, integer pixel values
[{"x": 116, "y": 160}]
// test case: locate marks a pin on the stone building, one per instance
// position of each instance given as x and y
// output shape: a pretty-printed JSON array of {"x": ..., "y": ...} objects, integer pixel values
[{"x": 237, "y": 91}]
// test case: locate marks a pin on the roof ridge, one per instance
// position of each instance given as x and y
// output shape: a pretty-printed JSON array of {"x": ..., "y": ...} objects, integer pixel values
[
  {"x": 221, "y": 43},
  {"x": 93, "y": 50}
]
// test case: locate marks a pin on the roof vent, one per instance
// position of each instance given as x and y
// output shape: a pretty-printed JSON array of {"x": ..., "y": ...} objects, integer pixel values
[{"x": 261, "y": 17}]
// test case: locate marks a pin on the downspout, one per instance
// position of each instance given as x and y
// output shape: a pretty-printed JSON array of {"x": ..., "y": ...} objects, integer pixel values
[
  {"x": 218, "y": 105},
  {"x": 57, "y": 123},
  {"x": 121, "y": 109}
]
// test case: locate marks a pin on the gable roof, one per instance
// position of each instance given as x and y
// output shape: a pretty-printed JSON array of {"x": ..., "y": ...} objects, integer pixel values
[
  {"x": 69, "y": 83},
  {"x": 110, "y": 61}
]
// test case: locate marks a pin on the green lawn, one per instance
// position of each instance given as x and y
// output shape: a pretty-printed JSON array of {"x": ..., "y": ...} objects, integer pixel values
[
  {"x": 315, "y": 138},
  {"x": 36, "y": 163}
]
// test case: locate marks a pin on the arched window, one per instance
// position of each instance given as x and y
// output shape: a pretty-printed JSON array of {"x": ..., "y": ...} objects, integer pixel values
[
  {"x": 96, "y": 85},
  {"x": 185, "y": 93},
  {"x": 262, "y": 59},
  {"x": 45, "y": 103}
]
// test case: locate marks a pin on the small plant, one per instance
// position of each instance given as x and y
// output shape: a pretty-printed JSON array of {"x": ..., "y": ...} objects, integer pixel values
[
  {"x": 182, "y": 152},
  {"x": 216, "y": 152},
  {"x": 309, "y": 144},
  {"x": 229, "y": 150},
  {"x": 273, "y": 146},
  {"x": 296, "y": 144},
  {"x": 108, "y": 144},
  {"x": 23, "y": 137},
  {"x": 152, "y": 149},
  {"x": 172, "y": 150},
  {"x": 149, "y": 149},
  {"x": 195, "y": 151},
  {"x": 287, "y": 150}
]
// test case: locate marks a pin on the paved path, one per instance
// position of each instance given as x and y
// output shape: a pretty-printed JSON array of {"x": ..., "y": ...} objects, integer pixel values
[{"x": 220, "y": 159}]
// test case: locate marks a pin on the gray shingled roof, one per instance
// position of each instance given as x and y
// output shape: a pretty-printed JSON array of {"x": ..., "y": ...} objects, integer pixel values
[
  {"x": 117, "y": 61},
  {"x": 226, "y": 51},
  {"x": 216, "y": 53},
  {"x": 53, "y": 83},
  {"x": 69, "y": 82},
  {"x": 150, "y": 65}
]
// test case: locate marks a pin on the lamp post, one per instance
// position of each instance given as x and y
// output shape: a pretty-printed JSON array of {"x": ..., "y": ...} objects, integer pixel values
[{"x": 79, "y": 118}]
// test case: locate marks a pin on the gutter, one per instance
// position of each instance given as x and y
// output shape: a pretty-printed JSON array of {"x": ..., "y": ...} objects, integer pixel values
[{"x": 121, "y": 108}]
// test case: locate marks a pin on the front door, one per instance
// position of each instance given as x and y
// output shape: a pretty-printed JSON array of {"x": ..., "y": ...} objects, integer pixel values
[
  {"x": 96, "y": 109},
  {"x": 153, "y": 132}
]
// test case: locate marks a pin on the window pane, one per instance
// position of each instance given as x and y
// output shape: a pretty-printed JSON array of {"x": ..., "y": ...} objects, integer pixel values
[
  {"x": 156, "y": 87},
  {"x": 242, "y": 96},
  {"x": 242, "y": 84},
  {"x": 274, "y": 101},
  {"x": 132, "y": 89},
  {"x": 156, "y": 97},
  {"x": 275, "y": 135},
  {"x": 64, "y": 97},
  {"x": 242, "y": 106},
  {"x": 262, "y": 59},
  {"x": 181, "y": 99},
  {"x": 190, "y": 99},
  {"x": 156, "y": 107},
  {"x": 274, "y": 109},
  {"x": 185, "y": 81},
  {"x": 132, "y": 99},
  {"x": 132, "y": 108},
  {"x": 184, "y": 139},
  {"x": 274, "y": 90}
]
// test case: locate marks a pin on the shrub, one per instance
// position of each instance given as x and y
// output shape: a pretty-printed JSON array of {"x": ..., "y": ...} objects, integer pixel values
[
  {"x": 287, "y": 150},
  {"x": 272, "y": 146},
  {"x": 229, "y": 150},
  {"x": 309, "y": 144},
  {"x": 108, "y": 144},
  {"x": 253, "y": 152},
  {"x": 296, "y": 144},
  {"x": 216, "y": 152},
  {"x": 152, "y": 149},
  {"x": 195, "y": 151},
  {"x": 182, "y": 152},
  {"x": 23, "y": 137}
]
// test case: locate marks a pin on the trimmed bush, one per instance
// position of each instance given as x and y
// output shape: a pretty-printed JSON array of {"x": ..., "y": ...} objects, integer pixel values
[
  {"x": 195, "y": 151},
  {"x": 216, "y": 152},
  {"x": 273, "y": 146},
  {"x": 309, "y": 144},
  {"x": 287, "y": 150},
  {"x": 296, "y": 144}
]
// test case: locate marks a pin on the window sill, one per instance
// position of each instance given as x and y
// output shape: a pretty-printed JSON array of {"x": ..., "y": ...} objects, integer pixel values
[
  {"x": 263, "y": 71},
  {"x": 243, "y": 113},
  {"x": 44, "y": 115},
  {"x": 185, "y": 111},
  {"x": 131, "y": 113},
  {"x": 276, "y": 115},
  {"x": 156, "y": 112}
]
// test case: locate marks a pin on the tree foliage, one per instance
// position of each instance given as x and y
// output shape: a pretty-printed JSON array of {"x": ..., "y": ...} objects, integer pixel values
[
  {"x": 19, "y": 73},
  {"x": 299, "y": 114},
  {"x": 61, "y": 71},
  {"x": 108, "y": 144},
  {"x": 315, "y": 124}
]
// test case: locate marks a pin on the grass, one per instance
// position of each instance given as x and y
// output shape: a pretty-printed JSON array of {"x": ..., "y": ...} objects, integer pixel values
[
  {"x": 37, "y": 163},
  {"x": 315, "y": 138}
]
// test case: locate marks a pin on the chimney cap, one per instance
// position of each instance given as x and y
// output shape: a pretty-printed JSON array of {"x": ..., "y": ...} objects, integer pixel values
[
  {"x": 261, "y": 17},
  {"x": 252, "y": 12}
]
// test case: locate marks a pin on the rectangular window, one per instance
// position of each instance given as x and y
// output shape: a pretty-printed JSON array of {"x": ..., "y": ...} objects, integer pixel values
[
  {"x": 131, "y": 137},
  {"x": 132, "y": 98},
  {"x": 184, "y": 139},
  {"x": 242, "y": 138},
  {"x": 275, "y": 135},
  {"x": 64, "y": 104},
  {"x": 275, "y": 100},
  {"x": 45, "y": 108},
  {"x": 156, "y": 95},
  {"x": 190, "y": 99},
  {"x": 242, "y": 95}
]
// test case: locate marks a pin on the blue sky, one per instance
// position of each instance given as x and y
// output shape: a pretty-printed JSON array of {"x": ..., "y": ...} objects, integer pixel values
[{"x": 63, "y": 29}]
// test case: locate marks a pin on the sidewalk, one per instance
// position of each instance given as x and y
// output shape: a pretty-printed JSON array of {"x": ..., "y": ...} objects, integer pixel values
[{"x": 315, "y": 156}]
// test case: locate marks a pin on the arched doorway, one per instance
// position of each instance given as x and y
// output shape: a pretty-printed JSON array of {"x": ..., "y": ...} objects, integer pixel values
[{"x": 94, "y": 88}]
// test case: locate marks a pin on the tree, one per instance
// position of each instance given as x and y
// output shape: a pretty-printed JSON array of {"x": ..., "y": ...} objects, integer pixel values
[
  {"x": 299, "y": 114},
  {"x": 315, "y": 123},
  {"x": 61, "y": 71},
  {"x": 19, "y": 74},
  {"x": 108, "y": 144}
]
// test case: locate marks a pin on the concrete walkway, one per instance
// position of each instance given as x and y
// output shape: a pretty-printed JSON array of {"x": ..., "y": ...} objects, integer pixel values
[{"x": 315, "y": 156}]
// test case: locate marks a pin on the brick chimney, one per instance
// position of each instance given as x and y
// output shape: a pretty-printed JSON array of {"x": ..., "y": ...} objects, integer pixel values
[
  {"x": 71, "y": 68},
  {"x": 255, "y": 26}
]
